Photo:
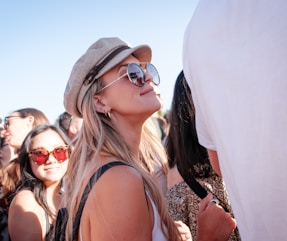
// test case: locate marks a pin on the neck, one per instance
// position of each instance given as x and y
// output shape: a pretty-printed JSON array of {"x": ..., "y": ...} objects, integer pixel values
[{"x": 131, "y": 133}]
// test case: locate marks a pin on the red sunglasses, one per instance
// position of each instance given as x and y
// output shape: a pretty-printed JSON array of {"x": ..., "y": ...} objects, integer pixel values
[{"x": 41, "y": 155}]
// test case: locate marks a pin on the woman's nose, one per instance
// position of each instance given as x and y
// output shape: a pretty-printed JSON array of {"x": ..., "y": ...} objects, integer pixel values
[
  {"x": 148, "y": 77},
  {"x": 51, "y": 159}
]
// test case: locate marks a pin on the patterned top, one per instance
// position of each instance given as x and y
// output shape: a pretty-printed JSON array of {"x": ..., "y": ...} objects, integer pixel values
[{"x": 183, "y": 203}]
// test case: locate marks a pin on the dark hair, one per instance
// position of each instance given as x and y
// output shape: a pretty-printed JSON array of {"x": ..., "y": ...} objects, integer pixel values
[
  {"x": 28, "y": 180},
  {"x": 2, "y": 142},
  {"x": 64, "y": 122},
  {"x": 182, "y": 146}
]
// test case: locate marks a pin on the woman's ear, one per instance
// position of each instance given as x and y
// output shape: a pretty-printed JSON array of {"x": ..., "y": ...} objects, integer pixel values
[
  {"x": 73, "y": 129},
  {"x": 31, "y": 120},
  {"x": 99, "y": 106}
]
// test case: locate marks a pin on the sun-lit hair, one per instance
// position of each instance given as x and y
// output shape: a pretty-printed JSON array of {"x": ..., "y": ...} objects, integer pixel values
[
  {"x": 99, "y": 135},
  {"x": 39, "y": 116}
]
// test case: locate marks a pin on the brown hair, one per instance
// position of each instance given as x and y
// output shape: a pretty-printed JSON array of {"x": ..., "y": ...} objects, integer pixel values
[
  {"x": 10, "y": 177},
  {"x": 39, "y": 116}
]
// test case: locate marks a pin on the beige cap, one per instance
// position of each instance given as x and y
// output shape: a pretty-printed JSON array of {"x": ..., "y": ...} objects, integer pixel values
[{"x": 101, "y": 57}]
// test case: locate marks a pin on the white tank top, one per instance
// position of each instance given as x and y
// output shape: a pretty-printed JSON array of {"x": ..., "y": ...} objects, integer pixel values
[{"x": 157, "y": 233}]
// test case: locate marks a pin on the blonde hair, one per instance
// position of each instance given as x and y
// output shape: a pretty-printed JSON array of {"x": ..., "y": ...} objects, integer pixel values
[{"x": 99, "y": 135}]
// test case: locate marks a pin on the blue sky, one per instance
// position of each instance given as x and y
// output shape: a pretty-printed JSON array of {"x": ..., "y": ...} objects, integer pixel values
[{"x": 41, "y": 40}]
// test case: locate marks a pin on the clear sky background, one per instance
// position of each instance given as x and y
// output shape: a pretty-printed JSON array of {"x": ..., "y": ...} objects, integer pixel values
[{"x": 41, "y": 40}]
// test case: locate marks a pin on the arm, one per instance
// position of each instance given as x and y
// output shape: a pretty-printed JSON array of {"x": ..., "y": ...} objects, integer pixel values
[
  {"x": 26, "y": 219},
  {"x": 214, "y": 161},
  {"x": 214, "y": 224}
]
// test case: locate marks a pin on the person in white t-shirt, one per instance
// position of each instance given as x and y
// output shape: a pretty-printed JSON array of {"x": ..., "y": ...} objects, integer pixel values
[{"x": 235, "y": 58}]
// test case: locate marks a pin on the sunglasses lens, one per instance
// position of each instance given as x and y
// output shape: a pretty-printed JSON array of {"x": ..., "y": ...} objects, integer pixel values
[
  {"x": 61, "y": 153},
  {"x": 153, "y": 72},
  {"x": 39, "y": 156},
  {"x": 136, "y": 74}
]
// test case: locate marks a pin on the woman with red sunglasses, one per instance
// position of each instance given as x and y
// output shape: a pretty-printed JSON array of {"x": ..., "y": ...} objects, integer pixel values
[
  {"x": 112, "y": 88},
  {"x": 43, "y": 160}
]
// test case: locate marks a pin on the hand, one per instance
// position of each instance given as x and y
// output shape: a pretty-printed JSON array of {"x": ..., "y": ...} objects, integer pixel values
[
  {"x": 183, "y": 230},
  {"x": 214, "y": 224}
]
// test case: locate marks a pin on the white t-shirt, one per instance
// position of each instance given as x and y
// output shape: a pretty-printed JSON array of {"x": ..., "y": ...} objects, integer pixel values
[{"x": 235, "y": 61}]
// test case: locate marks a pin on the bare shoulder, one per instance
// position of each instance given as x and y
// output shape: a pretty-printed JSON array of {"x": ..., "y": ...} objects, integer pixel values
[
  {"x": 119, "y": 179},
  {"x": 122, "y": 171},
  {"x": 26, "y": 218},
  {"x": 24, "y": 200},
  {"x": 114, "y": 205}
]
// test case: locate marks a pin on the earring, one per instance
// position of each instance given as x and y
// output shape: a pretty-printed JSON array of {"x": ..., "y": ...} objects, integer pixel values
[
  {"x": 108, "y": 114},
  {"x": 62, "y": 190}
]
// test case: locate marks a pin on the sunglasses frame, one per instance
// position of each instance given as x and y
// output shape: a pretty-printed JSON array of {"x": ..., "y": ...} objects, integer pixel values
[
  {"x": 7, "y": 118},
  {"x": 139, "y": 65},
  {"x": 48, "y": 153}
]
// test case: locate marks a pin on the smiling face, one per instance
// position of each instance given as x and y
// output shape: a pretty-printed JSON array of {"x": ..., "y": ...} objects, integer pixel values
[
  {"x": 52, "y": 171},
  {"x": 127, "y": 100}
]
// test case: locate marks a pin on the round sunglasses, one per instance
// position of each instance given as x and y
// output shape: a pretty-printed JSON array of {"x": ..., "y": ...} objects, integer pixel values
[
  {"x": 136, "y": 74},
  {"x": 40, "y": 156}
]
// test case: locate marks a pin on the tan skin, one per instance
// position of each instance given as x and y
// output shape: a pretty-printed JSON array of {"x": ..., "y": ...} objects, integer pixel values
[
  {"x": 214, "y": 224},
  {"x": 214, "y": 161},
  {"x": 117, "y": 218},
  {"x": 113, "y": 216}
]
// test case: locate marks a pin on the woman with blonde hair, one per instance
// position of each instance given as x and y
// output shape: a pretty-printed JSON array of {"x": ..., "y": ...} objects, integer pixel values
[{"x": 112, "y": 88}]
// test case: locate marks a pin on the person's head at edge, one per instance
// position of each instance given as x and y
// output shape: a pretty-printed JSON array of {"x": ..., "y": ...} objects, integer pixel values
[
  {"x": 70, "y": 125},
  {"x": 111, "y": 105},
  {"x": 20, "y": 122}
]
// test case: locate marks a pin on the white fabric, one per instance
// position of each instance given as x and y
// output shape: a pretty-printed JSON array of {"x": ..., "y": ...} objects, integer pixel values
[
  {"x": 235, "y": 60},
  {"x": 157, "y": 233}
]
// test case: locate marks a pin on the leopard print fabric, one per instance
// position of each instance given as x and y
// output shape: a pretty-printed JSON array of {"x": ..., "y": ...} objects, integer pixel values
[{"x": 183, "y": 203}]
